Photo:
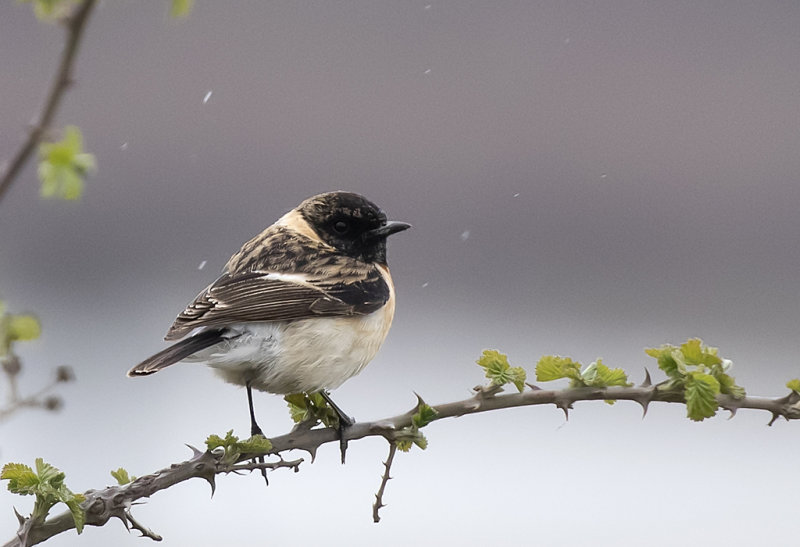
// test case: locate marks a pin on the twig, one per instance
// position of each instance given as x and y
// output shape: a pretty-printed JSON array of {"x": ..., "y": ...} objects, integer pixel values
[
  {"x": 376, "y": 507},
  {"x": 101, "y": 505},
  {"x": 74, "y": 24}
]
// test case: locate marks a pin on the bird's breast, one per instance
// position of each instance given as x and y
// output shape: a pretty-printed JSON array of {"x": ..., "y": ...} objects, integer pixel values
[{"x": 305, "y": 355}]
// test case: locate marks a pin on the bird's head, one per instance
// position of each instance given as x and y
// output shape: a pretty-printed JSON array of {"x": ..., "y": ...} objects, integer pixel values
[{"x": 351, "y": 224}]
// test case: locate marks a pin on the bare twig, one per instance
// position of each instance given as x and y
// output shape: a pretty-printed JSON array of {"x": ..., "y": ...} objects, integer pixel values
[
  {"x": 74, "y": 24},
  {"x": 101, "y": 505},
  {"x": 387, "y": 465}
]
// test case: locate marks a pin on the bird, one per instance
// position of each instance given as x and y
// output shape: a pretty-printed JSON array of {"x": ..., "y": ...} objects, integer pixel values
[{"x": 300, "y": 308}]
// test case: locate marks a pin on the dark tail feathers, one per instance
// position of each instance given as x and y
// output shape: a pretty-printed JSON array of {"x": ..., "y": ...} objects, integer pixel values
[{"x": 177, "y": 352}]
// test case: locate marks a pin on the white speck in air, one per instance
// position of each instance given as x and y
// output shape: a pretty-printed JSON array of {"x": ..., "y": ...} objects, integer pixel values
[
  {"x": 207, "y": 97},
  {"x": 465, "y": 235},
  {"x": 427, "y": 71},
  {"x": 202, "y": 265},
  {"x": 516, "y": 195},
  {"x": 424, "y": 284},
  {"x": 604, "y": 176},
  {"x": 124, "y": 146},
  {"x": 427, "y": 6}
]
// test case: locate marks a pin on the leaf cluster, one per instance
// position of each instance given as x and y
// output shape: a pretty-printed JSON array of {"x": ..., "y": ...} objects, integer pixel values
[
  {"x": 411, "y": 435},
  {"x": 234, "y": 448},
  {"x": 596, "y": 374},
  {"x": 46, "y": 483},
  {"x": 499, "y": 371},
  {"x": 697, "y": 371},
  {"x": 305, "y": 407},
  {"x": 63, "y": 165}
]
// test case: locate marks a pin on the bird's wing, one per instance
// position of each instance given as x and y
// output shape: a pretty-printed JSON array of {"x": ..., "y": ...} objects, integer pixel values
[{"x": 274, "y": 296}]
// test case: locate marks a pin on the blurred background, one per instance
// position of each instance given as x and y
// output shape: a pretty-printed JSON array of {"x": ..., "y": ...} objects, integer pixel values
[{"x": 588, "y": 179}]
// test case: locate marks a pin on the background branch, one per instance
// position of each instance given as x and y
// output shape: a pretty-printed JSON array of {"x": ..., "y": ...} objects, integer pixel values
[
  {"x": 74, "y": 24},
  {"x": 115, "y": 501}
]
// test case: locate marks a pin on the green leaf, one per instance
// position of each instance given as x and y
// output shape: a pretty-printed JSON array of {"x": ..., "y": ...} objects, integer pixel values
[
  {"x": 63, "y": 166},
  {"x": 255, "y": 444},
  {"x": 794, "y": 385},
  {"x": 78, "y": 514},
  {"x": 47, "y": 484},
  {"x": 122, "y": 477},
  {"x": 48, "y": 474},
  {"x": 234, "y": 448},
  {"x": 215, "y": 441},
  {"x": 610, "y": 377},
  {"x": 403, "y": 445},
  {"x": 297, "y": 407},
  {"x": 408, "y": 436},
  {"x": 304, "y": 407},
  {"x": 21, "y": 478},
  {"x": 23, "y": 327},
  {"x": 727, "y": 384},
  {"x": 425, "y": 414},
  {"x": 554, "y": 367},
  {"x": 180, "y": 8},
  {"x": 697, "y": 353},
  {"x": 499, "y": 371},
  {"x": 701, "y": 402}
]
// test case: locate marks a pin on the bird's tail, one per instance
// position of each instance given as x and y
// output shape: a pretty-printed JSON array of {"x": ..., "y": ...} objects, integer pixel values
[{"x": 177, "y": 352}]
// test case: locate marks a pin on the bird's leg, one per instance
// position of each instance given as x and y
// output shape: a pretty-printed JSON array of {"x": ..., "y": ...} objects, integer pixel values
[
  {"x": 345, "y": 421},
  {"x": 254, "y": 429}
]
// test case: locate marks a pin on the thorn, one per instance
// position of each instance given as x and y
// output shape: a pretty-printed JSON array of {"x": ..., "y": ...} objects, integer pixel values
[
  {"x": 647, "y": 382},
  {"x": 313, "y": 453},
  {"x": 732, "y": 410},
  {"x": 20, "y": 518},
  {"x": 775, "y": 416},
  {"x": 645, "y": 405},
  {"x": 533, "y": 387},
  {"x": 195, "y": 452},
  {"x": 420, "y": 400},
  {"x": 212, "y": 482}
]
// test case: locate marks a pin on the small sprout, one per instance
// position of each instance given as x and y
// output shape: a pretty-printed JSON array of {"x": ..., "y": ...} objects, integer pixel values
[
  {"x": 794, "y": 385},
  {"x": 233, "y": 448},
  {"x": 306, "y": 407},
  {"x": 122, "y": 477},
  {"x": 47, "y": 485},
  {"x": 499, "y": 371}
]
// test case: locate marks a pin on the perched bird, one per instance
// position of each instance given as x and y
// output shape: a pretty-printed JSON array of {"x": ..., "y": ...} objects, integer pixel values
[{"x": 301, "y": 307}]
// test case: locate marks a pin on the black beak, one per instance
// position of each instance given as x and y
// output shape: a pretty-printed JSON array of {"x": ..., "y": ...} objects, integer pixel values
[{"x": 391, "y": 227}]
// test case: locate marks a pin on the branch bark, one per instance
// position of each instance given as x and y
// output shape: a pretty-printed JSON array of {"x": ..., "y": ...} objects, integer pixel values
[
  {"x": 116, "y": 501},
  {"x": 75, "y": 24}
]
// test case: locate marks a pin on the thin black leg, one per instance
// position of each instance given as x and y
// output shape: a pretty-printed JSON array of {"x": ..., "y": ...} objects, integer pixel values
[
  {"x": 254, "y": 429},
  {"x": 345, "y": 421}
]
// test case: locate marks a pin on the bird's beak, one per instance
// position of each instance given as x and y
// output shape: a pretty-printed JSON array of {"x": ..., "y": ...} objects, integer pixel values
[{"x": 391, "y": 227}]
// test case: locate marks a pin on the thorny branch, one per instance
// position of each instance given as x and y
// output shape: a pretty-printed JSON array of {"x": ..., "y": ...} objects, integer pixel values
[
  {"x": 115, "y": 501},
  {"x": 74, "y": 24},
  {"x": 387, "y": 468}
]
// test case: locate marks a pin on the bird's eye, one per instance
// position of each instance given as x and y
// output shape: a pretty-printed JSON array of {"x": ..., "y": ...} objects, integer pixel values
[{"x": 340, "y": 226}]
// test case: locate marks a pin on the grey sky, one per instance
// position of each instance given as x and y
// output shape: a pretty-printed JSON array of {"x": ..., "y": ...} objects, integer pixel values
[{"x": 628, "y": 174}]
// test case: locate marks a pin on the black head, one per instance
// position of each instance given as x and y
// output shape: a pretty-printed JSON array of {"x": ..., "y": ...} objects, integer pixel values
[{"x": 350, "y": 223}]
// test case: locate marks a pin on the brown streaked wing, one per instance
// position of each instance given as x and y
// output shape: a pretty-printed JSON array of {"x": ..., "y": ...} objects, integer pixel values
[{"x": 256, "y": 296}]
